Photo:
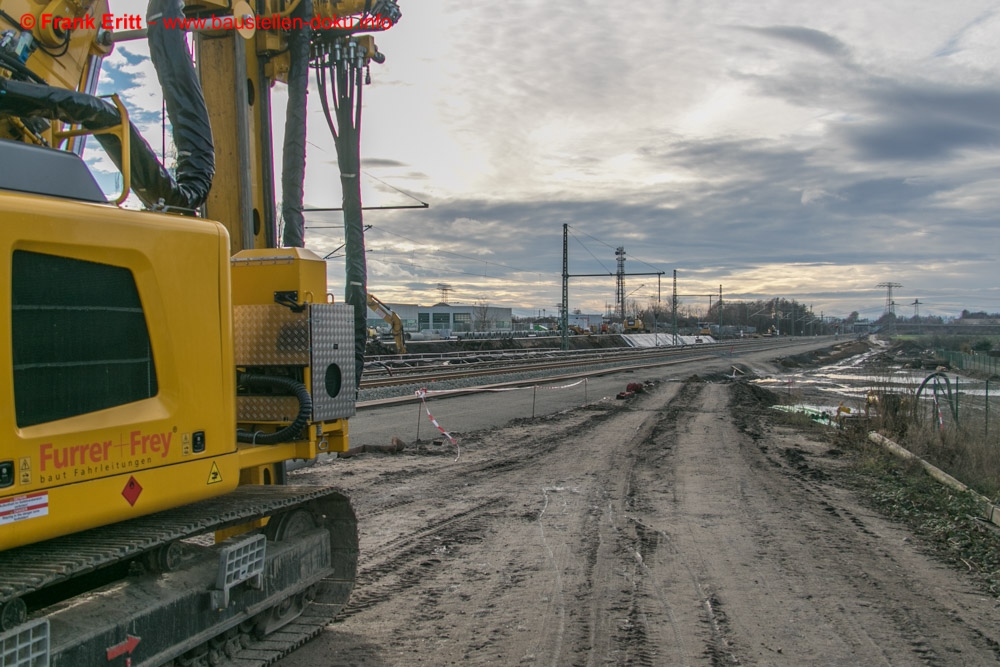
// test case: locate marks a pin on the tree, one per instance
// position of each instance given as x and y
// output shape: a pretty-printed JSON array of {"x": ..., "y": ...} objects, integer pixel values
[
  {"x": 481, "y": 315},
  {"x": 656, "y": 313}
]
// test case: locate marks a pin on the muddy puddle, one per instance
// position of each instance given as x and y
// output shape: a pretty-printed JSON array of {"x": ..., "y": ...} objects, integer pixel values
[{"x": 847, "y": 383}]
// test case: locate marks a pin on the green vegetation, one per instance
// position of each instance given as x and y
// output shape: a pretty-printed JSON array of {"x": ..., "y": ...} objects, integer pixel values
[
  {"x": 943, "y": 516},
  {"x": 965, "y": 344}
]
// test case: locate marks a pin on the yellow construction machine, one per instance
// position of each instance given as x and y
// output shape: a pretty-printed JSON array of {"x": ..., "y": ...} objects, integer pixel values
[
  {"x": 392, "y": 319},
  {"x": 159, "y": 366},
  {"x": 634, "y": 325}
]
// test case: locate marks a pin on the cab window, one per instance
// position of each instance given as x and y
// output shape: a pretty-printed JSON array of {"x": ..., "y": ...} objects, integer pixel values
[{"x": 79, "y": 337}]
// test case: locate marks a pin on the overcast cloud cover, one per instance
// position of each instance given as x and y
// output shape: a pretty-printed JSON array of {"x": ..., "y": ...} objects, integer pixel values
[{"x": 789, "y": 148}]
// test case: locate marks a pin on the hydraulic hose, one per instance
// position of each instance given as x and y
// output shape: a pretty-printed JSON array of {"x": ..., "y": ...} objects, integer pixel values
[
  {"x": 151, "y": 181},
  {"x": 186, "y": 109},
  {"x": 294, "y": 152},
  {"x": 291, "y": 431},
  {"x": 17, "y": 67}
]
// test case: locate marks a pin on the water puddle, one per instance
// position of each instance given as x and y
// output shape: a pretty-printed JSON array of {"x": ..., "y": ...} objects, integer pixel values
[{"x": 847, "y": 384}]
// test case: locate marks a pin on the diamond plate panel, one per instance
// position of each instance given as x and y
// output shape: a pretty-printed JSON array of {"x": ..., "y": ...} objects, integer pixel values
[
  {"x": 257, "y": 409},
  {"x": 332, "y": 328},
  {"x": 270, "y": 335}
]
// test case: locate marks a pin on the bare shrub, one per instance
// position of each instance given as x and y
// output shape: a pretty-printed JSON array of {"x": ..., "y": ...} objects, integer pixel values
[{"x": 949, "y": 431}]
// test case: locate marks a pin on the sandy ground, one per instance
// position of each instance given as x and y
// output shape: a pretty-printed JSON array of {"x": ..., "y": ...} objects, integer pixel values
[{"x": 654, "y": 531}]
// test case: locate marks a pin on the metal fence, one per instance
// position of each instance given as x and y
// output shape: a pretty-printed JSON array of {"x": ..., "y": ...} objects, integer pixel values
[
  {"x": 971, "y": 362},
  {"x": 959, "y": 402}
]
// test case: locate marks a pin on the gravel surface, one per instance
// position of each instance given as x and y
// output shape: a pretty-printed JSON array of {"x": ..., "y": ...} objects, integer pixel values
[{"x": 381, "y": 393}]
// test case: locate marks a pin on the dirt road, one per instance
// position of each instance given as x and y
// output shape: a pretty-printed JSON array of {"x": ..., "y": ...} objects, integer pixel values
[{"x": 652, "y": 532}]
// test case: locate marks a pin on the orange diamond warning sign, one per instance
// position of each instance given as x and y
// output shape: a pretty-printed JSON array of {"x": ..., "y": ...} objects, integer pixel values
[
  {"x": 131, "y": 491},
  {"x": 214, "y": 476}
]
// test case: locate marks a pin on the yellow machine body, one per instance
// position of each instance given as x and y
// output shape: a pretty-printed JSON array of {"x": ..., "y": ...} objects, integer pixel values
[
  {"x": 102, "y": 466},
  {"x": 299, "y": 276},
  {"x": 169, "y": 360},
  {"x": 175, "y": 445},
  {"x": 258, "y": 274},
  {"x": 335, "y": 8}
]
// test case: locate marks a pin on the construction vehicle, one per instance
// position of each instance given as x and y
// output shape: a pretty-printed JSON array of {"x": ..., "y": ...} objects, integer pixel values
[
  {"x": 574, "y": 329},
  {"x": 392, "y": 319},
  {"x": 634, "y": 325},
  {"x": 162, "y": 365}
]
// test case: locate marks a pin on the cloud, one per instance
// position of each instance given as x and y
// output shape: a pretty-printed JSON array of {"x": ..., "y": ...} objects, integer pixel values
[
  {"x": 916, "y": 139},
  {"x": 811, "y": 195},
  {"x": 816, "y": 40},
  {"x": 953, "y": 44},
  {"x": 924, "y": 122},
  {"x": 374, "y": 162},
  {"x": 781, "y": 148}
]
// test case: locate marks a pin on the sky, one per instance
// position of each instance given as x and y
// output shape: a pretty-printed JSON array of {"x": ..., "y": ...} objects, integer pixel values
[{"x": 779, "y": 148}]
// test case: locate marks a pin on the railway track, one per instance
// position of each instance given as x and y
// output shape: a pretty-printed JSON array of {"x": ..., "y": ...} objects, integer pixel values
[{"x": 423, "y": 369}]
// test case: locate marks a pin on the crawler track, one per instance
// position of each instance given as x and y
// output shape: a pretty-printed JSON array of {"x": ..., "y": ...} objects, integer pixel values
[{"x": 314, "y": 568}]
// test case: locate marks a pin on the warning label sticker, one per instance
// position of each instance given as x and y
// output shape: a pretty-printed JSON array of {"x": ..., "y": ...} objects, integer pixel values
[
  {"x": 21, "y": 508},
  {"x": 214, "y": 476},
  {"x": 132, "y": 490}
]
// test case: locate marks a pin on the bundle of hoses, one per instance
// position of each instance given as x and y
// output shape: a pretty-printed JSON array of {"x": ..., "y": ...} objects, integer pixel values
[
  {"x": 290, "y": 432},
  {"x": 151, "y": 181}
]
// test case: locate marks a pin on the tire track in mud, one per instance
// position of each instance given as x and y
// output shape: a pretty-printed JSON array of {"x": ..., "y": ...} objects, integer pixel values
[
  {"x": 568, "y": 426},
  {"x": 561, "y": 634},
  {"x": 634, "y": 621},
  {"x": 647, "y": 542},
  {"x": 559, "y": 603},
  {"x": 820, "y": 521},
  {"x": 718, "y": 649},
  {"x": 522, "y": 455},
  {"x": 835, "y": 538},
  {"x": 572, "y": 634},
  {"x": 640, "y": 532},
  {"x": 411, "y": 559},
  {"x": 793, "y": 467},
  {"x": 835, "y": 534}
]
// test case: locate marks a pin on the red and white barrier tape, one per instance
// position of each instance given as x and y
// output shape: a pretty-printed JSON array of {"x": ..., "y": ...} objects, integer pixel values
[
  {"x": 438, "y": 392},
  {"x": 566, "y": 386},
  {"x": 422, "y": 393}
]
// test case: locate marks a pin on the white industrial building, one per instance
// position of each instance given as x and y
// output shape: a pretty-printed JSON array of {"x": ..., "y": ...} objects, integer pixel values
[{"x": 446, "y": 319}]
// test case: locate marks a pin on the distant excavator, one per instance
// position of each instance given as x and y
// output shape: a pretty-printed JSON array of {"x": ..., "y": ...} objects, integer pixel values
[{"x": 392, "y": 319}]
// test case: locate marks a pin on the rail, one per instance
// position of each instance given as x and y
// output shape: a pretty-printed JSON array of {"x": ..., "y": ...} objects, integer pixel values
[{"x": 475, "y": 366}]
